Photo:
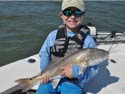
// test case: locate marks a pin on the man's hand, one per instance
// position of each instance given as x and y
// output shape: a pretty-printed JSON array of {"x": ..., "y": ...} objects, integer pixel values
[
  {"x": 45, "y": 80},
  {"x": 67, "y": 71}
]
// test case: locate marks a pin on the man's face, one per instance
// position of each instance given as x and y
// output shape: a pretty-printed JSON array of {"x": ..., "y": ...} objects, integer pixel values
[{"x": 72, "y": 17}]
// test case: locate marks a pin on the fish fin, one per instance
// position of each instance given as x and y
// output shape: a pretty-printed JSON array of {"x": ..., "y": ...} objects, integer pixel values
[{"x": 55, "y": 81}]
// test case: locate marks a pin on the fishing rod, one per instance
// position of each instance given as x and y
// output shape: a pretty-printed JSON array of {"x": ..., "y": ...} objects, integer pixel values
[{"x": 112, "y": 37}]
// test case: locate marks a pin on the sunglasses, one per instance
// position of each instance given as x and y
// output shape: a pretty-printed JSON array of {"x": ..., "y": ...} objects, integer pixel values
[{"x": 76, "y": 13}]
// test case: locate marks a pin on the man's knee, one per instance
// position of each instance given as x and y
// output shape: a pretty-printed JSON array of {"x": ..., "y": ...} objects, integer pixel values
[
  {"x": 69, "y": 88},
  {"x": 44, "y": 89}
]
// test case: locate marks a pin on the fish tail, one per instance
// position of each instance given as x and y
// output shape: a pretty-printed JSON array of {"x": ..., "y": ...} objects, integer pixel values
[{"x": 26, "y": 83}]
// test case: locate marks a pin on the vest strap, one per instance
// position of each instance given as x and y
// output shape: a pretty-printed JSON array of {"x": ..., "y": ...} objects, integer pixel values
[{"x": 61, "y": 37}]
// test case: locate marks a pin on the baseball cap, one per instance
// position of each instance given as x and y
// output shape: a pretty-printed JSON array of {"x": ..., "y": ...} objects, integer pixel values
[{"x": 73, "y": 3}]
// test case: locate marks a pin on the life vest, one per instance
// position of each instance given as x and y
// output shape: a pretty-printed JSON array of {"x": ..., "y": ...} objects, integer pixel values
[{"x": 65, "y": 44}]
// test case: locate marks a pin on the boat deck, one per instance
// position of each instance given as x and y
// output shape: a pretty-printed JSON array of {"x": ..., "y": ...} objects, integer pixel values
[
  {"x": 15, "y": 70},
  {"x": 111, "y": 77}
]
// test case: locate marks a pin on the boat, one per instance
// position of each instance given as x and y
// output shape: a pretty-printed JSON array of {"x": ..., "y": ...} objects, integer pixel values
[{"x": 110, "y": 79}]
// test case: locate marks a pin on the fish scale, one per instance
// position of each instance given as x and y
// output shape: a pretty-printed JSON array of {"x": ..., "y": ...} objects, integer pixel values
[{"x": 84, "y": 58}]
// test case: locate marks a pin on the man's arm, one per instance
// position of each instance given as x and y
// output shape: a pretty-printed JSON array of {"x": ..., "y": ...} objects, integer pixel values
[
  {"x": 89, "y": 72},
  {"x": 45, "y": 50}
]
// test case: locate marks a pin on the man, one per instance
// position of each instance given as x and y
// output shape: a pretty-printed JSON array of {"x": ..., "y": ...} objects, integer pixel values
[{"x": 72, "y": 35}]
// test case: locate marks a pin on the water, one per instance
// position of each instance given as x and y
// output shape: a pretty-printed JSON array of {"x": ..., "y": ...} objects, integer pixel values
[{"x": 24, "y": 25}]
